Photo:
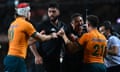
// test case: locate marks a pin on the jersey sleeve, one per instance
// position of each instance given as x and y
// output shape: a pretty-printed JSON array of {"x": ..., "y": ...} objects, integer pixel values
[
  {"x": 82, "y": 40},
  {"x": 29, "y": 29},
  {"x": 114, "y": 41}
]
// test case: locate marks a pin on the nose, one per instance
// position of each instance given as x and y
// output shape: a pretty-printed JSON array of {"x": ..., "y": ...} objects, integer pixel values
[{"x": 51, "y": 13}]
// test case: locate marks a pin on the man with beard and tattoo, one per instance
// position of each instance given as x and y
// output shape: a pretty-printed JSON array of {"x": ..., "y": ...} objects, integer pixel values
[
  {"x": 72, "y": 61},
  {"x": 51, "y": 50}
]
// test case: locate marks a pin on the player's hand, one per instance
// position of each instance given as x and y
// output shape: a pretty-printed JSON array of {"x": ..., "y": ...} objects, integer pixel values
[
  {"x": 42, "y": 32},
  {"x": 54, "y": 35},
  {"x": 61, "y": 32},
  {"x": 73, "y": 37},
  {"x": 38, "y": 60}
]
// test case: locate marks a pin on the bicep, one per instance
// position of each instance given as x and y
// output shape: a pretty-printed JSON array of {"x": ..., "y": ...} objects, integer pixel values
[{"x": 29, "y": 29}]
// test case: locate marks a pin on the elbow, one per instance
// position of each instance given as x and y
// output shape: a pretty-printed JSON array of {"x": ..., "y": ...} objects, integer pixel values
[
  {"x": 30, "y": 42},
  {"x": 114, "y": 53}
]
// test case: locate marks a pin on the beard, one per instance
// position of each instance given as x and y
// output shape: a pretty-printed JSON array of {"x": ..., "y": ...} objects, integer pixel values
[
  {"x": 77, "y": 28},
  {"x": 53, "y": 19}
]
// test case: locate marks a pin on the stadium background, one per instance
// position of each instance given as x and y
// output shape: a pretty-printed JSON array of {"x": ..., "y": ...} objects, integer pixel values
[{"x": 105, "y": 9}]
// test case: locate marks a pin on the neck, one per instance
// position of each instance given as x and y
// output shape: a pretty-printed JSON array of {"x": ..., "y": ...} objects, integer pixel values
[
  {"x": 55, "y": 22},
  {"x": 93, "y": 29},
  {"x": 21, "y": 17},
  {"x": 108, "y": 34}
]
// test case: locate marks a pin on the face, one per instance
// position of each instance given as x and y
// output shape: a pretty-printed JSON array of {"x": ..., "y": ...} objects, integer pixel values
[
  {"x": 106, "y": 32},
  {"x": 77, "y": 22},
  {"x": 53, "y": 13},
  {"x": 102, "y": 29},
  {"x": 88, "y": 26}
]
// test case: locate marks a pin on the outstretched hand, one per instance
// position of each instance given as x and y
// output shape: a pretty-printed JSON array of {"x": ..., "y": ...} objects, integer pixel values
[
  {"x": 54, "y": 35},
  {"x": 61, "y": 32},
  {"x": 42, "y": 32},
  {"x": 38, "y": 60}
]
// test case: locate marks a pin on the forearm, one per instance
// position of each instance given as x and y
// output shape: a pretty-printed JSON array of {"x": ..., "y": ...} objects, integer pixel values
[
  {"x": 34, "y": 50},
  {"x": 43, "y": 37},
  {"x": 113, "y": 50},
  {"x": 38, "y": 58},
  {"x": 72, "y": 46}
]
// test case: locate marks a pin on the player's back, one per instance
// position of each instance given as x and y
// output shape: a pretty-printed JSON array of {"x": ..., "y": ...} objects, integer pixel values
[
  {"x": 94, "y": 47},
  {"x": 18, "y": 38}
]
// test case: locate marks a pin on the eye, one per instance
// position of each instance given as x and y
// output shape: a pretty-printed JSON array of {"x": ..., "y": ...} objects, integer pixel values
[
  {"x": 53, "y": 11},
  {"x": 80, "y": 20}
]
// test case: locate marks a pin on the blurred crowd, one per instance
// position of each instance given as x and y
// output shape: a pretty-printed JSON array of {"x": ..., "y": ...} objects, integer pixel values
[{"x": 58, "y": 58}]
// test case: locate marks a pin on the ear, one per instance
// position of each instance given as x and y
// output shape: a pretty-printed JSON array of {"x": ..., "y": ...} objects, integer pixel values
[
  {"x": 89, "y": 24},
  {"x": 108, "y": 30},
  {"x": 72, "y": 24},
  {"x": 58, "y": 11}
]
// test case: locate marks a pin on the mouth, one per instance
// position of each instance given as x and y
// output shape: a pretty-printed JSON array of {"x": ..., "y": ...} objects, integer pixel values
[{"x": 51, "y": 17}]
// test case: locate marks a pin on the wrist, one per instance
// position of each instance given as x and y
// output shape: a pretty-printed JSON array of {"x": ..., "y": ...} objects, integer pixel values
[
  {"x": 37, "y": 56},
  {"x": 51, "y": 36},
  {"x": 67, "y": 41}
]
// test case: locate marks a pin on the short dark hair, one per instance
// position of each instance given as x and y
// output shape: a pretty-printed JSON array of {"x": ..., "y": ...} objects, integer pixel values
[
  {"x": 107, "y": 24},
  {"x": 93, "y": 20},
  {"x": 53, "y": 5},
  {"x": 75, "y": 15}
]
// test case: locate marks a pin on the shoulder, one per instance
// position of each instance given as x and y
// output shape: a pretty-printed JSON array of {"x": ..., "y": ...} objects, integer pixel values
[
  {"x": 113, "y": 38},
  {"x": 26, "y": 23},
  {"x": 103, "y": 36},
  {"x": 86, "y": 36}
]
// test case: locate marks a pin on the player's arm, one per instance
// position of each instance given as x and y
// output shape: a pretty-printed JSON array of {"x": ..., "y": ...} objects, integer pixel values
[
  {"x": 72, "y": 46},
  {"x": 38, "y": 58},
  {"x": 113, "y": 50},
  {"x": 43, "y": 37},
  {"x": 31, "y": 32}
]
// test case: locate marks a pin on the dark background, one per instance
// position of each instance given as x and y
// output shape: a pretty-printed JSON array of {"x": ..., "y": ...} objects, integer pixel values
[{"x": 104, "y": 9}]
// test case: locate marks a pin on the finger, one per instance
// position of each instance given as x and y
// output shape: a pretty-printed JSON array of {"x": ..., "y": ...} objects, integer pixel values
[
  {"x": 36, "y": 62},
  {"x": 41, "y": 62},
  {"x": 42, "y": 32}
]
